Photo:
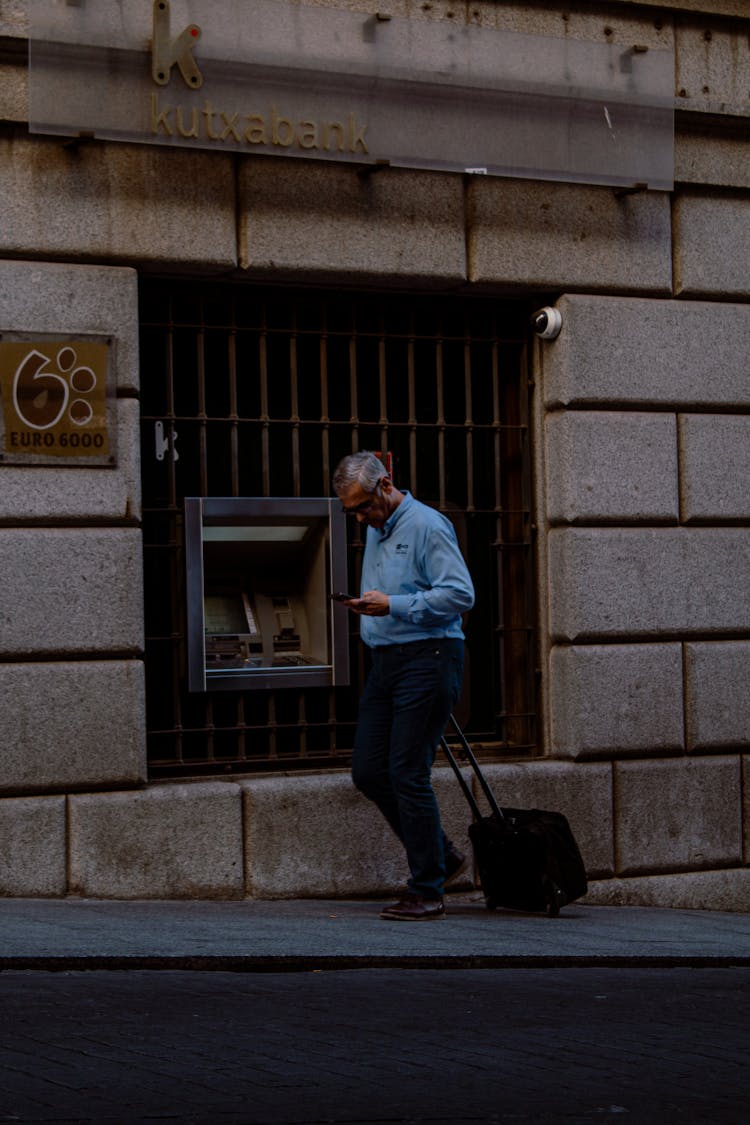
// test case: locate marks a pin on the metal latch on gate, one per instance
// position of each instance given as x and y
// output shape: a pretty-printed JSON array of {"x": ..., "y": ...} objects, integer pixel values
[{"x": 165, "y": 443}]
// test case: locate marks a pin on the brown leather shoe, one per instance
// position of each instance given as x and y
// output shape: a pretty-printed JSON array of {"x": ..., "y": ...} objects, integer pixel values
[{"x": 413, "y": 908}]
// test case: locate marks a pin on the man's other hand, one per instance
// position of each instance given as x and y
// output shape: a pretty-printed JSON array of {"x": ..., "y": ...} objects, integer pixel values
[{"x": 373, "y": 603}]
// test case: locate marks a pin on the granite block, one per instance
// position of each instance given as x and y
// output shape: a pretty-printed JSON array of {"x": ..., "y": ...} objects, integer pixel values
[
  {"x": 168, "y": 841},
  {"x": 616, "y": 699},
  {"x": 300, "y": 218},
  {"x": 32, "y": 846},
  {"x": 704, "y": 156},
  {"x": 717, "y": 675},
  {"x": 611, "y": 466},
  {"x": 14, "y": 88},
  {"x": 540, "y": 235},
  {"x": 71, "y": 591},
  {"x": 623, "y": 351},
  {"x": 727, "y": 889},
  {"x": 57, "y": 734},
  {"x": 713, "y": 61},
  {"x": 317, "y": 836},
  {"x": 677, "y": 814},
  {"x": 120, "y": 202},
  {"x": 712, "y": 245},
  {"x": 715, "y": 467},
  {"x": 646, "y": 582}
]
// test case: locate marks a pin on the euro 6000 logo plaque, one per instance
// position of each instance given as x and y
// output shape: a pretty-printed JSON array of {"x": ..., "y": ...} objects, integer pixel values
[{"x": 57, "y": 399}]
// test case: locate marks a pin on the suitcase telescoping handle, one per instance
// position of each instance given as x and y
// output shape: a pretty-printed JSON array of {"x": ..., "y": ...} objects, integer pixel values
[
  {"x": 468, "y": 753},
  {"x": 475, "y": 810}
]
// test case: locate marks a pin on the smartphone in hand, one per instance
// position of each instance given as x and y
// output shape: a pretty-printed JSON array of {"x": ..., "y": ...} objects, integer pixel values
[{"x": 340, "y": 597}]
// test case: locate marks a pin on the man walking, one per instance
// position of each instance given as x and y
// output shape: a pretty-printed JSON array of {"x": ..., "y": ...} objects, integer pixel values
[{"x": 415, "y": 586}]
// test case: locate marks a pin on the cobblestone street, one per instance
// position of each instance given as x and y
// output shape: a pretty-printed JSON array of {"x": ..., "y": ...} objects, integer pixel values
[{"x": 520, "y": 1045}]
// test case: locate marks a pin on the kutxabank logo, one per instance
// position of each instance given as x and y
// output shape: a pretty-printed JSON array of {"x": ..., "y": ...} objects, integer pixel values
[
  {"x": 260, "y": 126},
  {"x": 169, "y": 51}
]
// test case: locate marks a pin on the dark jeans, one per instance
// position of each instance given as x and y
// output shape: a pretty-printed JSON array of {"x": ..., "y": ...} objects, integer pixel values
[{"x": 410, "y": 692}]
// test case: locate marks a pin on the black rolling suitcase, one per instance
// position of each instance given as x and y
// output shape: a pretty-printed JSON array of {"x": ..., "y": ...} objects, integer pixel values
[{"x": 527, "y": 859}]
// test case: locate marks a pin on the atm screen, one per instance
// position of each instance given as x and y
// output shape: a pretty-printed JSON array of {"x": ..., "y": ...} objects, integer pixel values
[{"x": 229, "y": 613}]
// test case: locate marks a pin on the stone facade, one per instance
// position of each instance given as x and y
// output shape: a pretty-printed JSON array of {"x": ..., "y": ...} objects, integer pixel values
[
  {"x": 642, "y": 486},
  {"x": 644, "y": 572}
]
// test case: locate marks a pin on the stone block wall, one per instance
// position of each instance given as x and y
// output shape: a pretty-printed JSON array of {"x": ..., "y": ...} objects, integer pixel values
[
  {"x": 71, "y": 600},
  {"x": 643, "y": 418}
]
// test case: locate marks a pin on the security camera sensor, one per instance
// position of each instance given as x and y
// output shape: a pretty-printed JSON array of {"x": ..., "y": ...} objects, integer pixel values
[{"x": 547, "y": 323}]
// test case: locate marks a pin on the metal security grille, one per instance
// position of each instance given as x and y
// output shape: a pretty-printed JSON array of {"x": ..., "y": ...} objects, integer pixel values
[{"x": 250, "y": 392}]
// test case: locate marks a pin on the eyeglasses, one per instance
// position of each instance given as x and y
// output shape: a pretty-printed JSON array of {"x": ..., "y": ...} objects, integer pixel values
[{"x": 363, "y": 508}]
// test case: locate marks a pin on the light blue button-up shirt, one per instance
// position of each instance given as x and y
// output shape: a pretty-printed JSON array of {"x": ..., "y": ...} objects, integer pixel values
[{"x": 415, "y": 559}]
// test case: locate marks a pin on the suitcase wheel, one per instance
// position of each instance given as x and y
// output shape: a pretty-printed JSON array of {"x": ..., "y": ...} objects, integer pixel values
[{"x": 556, "y": 898}]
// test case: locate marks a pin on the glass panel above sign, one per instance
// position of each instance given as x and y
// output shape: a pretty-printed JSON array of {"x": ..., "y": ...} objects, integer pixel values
[{"x": 286, "y": 79}]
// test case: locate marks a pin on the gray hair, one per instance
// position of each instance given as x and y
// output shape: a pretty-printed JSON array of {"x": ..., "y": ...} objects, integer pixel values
[{"x": 364, "y": 469}]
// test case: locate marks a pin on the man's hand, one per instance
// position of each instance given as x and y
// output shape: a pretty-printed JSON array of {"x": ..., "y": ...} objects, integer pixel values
[{"x": 372, "y": 604}]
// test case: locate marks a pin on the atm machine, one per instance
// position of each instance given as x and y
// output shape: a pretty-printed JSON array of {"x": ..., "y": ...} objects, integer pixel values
[{"x": 260, "y": 572}]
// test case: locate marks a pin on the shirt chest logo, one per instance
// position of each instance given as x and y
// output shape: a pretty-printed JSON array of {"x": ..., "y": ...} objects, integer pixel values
[{"x": 402, "y": 549}]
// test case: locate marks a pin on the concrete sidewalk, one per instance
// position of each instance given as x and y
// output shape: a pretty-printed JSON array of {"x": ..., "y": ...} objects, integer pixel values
[{"x": 308, "y": 934}]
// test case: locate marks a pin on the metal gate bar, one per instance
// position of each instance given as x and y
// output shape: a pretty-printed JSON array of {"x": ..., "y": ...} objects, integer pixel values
[{"x": 259, "y": 393}]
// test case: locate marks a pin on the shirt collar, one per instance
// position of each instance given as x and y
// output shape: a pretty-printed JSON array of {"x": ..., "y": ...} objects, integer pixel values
[{"x": 390, "y": 523}]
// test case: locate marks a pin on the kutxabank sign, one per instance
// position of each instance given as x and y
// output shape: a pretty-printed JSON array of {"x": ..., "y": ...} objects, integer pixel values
[{"x": 281, "y": 78}]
